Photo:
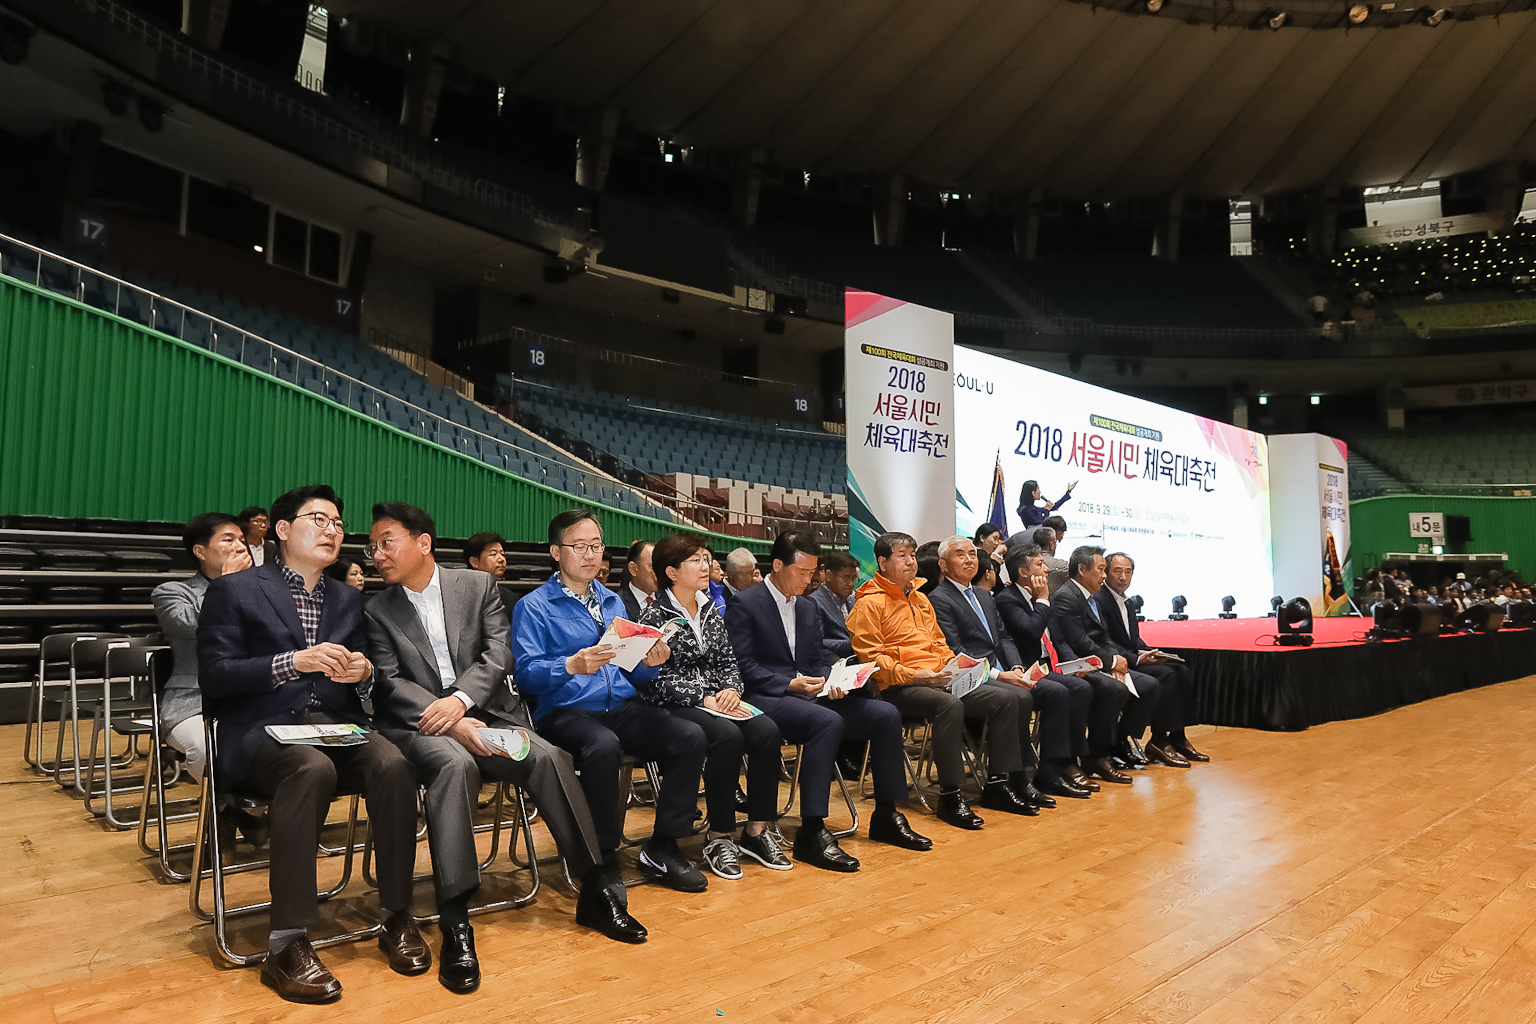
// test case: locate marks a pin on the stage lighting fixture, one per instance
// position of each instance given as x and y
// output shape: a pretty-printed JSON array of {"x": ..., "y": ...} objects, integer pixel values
[
  {"x": 1358, "y": 13},
  {"x": 1135, "y": 604},
  {"x": 1520, "y": 614},
  {"x": 151, "y": 115},
  {"x": 1294, "y": 620},
  {"x": 1271, "y": 19},
  {"x": 15, "y": 40},
  {"x": 1274, "y": 606},
  {"x": 116, "y": 96},
  {"x": 1179, "y": 604},
  {"x": 1483, "y": 617},
  {"x": 1152, "y": 6},
  {"x": 1421, "y": 619},
  {"x": 1433, "y": 17},
  {"x": 1227, "y": 604}
]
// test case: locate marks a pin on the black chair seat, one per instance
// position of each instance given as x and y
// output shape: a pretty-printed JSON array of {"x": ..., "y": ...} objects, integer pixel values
[
  {"x": 15, "y": 633},
  {"x": 78, "y": 559},
  {"x": 134, "y": 595},
  {"x": 17, "y": 672},
  {"x": 15, "y": 595},
  {"x": 13, "y": 556},
  {"x": 143, "y": 561},
  {"x": 74, "y": 594}
]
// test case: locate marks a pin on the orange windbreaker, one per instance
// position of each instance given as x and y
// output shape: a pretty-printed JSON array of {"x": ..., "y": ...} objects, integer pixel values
[{"x": 896, "y": 631}]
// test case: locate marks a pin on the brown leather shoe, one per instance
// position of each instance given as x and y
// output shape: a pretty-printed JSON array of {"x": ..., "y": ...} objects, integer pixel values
[
  {"x": 1073, "y": 774},
  {"x": 1187, "y": 749},
  {"x": 297, "y": 974},
  {"x": 1100, "y": 768},
  {"x": 1164, "y": 756},
  {"x": 407, "y": 951}
]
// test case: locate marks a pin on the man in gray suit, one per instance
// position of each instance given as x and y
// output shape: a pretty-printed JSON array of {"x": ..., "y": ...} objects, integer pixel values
[
  {"x": 438, "y": 639},
  {"x": 217, "y": 541}
]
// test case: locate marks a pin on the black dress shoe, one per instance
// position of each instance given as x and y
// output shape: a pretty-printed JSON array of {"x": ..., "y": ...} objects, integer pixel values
[
  {"x": 457, "y": 966},
  {"x": 1074, "y": 775},
  {"x": 1165, "y": 756},
  {"x": 1186, "y": 749},
  {"x": 1100, "y": 768},
  {"x": 953, "y": 810},
  {"x": 819, "y": 849},
  {"x": 598, "y": 907},
  {"x": 402, "y": 943},
  {"x": 1129, "y": 755},
  {"x": 741, "y": 799},
  {"x": 296, "y": 974},
  {"x": 893, "y": 829},
  {"x": 665, "y": 863},
  {"x": 1032, "y": 795},
  {"x": 999, "y": 796},
  {"x": 1065, "y": 788}
]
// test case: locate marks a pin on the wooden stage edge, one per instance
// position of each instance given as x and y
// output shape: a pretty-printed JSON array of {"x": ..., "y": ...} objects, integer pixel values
[{"x": 1377, "y": 870}]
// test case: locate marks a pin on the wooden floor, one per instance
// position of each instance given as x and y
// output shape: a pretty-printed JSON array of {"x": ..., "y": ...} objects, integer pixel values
[{"x": 1379, "y": 870}]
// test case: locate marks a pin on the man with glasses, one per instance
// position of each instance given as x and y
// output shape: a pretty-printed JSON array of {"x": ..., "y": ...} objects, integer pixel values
[
  {"x": 438, "y": 640},
  {"x": 834, "y": 599},
  {"x": 253, "y": 523},
  {"x": 283, "y": 645},
  {"x": 587, "y": 705}
]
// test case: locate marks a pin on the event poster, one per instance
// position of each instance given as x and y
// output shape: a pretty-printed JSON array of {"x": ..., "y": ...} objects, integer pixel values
[
  {"x": 1309, "y": 480},
  {"x": 1333, "y": 512},
  {"x": 901, "y": 438},
  {"x": 1187, "y": 497}
]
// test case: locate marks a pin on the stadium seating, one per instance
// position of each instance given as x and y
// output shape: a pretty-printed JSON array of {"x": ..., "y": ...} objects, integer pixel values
[
  {"x": 1451, "y": 452},
  {"x": 1476, "y": 263}
]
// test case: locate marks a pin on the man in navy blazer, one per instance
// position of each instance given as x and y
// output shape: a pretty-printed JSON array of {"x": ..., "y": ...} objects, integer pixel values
[
  {"x": 777, "y": 637},
  {"x": 1168, "y": 743},
  {"x": 282, "y": 645}
]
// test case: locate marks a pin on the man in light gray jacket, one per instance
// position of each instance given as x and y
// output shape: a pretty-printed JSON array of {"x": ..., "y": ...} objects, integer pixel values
[{"x": 217, "y": 541}]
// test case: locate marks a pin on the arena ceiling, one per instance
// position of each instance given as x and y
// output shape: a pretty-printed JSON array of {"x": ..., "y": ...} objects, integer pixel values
[{"x": 995, "y": 97}]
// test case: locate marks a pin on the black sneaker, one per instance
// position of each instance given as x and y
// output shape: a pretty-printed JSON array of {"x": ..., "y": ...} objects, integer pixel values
[
  {"x": 669, "y": 867},
  {"x": 765, "y": 850}
]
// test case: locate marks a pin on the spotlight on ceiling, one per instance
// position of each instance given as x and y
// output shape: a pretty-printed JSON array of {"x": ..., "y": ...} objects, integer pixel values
[
  {"x": 1271, "y": 19},
  {"x": 1434, "y": 16},
  {"x": 1227, "y": 604},
  {"x": 1152, "y": 6},
  {"x": 1358, "y": 13},
  {"x": 1295, "y": 623},
  {"x": 116, "y": 96},
  {"x": 1179, "y": 604}
]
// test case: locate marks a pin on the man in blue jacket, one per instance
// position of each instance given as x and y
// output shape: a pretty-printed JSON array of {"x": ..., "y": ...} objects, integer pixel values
[
  {"x": 587, "y": 706},
  {"x": 778, "y": 642}
]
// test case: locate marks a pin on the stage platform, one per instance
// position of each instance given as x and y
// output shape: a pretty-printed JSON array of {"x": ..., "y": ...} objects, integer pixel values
[{"x": 1242, "y": 678}]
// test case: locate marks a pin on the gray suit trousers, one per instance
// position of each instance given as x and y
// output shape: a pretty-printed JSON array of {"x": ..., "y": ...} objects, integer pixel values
[
  {"x": 452, "y": 776},
  {"x": 949, "y": 714}
]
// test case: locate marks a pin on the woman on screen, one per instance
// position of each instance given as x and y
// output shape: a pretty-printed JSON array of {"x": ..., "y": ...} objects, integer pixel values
[{"x": 1032, "y": 514}]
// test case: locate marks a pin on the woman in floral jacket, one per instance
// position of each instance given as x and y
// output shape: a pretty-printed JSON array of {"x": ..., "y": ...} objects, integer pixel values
[{"x": 700, "y": 682}]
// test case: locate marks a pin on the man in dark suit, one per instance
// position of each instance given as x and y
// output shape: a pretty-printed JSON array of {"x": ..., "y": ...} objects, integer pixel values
[
  {"x": 776, "y": 635},
  {"x": 254, "y": 523},
  {"x": 1095, "y": 698},
  {"x": 438, "y": 638},
  {"x": 1169, "y": 745},
  {"x": 968, "y": 616},
  {"x": 1079, "y": 625},
  {"x": 834, "y": 598},
  {"x": 639, "y": 590},
  {"x": 283, "y": 645}
]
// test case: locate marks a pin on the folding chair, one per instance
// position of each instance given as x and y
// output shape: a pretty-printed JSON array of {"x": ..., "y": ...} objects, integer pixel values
[
  {"x": 163, "y": 816},
  {"x": 794, "y": 786},
  {"x": 87, "y": 670},
  {"x": 494, "y": 826},
  {"x": 209, "y": 846},
  {"x": 53, "y": 653},
  {"x": 140, "y": 662}
]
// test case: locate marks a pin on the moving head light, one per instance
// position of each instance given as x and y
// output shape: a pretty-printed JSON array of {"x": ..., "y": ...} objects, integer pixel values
[
  {"x": 1294, "y": 620},
  {"x": 1179, "y": 604}
]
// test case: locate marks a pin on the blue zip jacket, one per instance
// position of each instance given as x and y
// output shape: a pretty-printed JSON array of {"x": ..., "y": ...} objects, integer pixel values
[{"x": 548, "y": 627}]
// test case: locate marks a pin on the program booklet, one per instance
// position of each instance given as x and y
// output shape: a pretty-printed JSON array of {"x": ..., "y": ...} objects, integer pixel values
[
  {"x": 752, "y": 711},
  {"x": 343, "y": 734},
  {"x": 966, "y": 673},
  {"x": 631, "y": 642},
  {"x": 1069, "y": 668},
  {"x": 847, "y": 676},
  {"x": 513, "y": 743}
]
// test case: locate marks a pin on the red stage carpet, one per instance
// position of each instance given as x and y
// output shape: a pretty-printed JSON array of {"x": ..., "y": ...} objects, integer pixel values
[
  {"x": 1239, "y": 676},
  {"x": 1246, "y": 634}
]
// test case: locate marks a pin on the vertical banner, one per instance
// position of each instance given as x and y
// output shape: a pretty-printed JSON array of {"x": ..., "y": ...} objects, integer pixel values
[
  {"x": 1309, "y": 506},
  {"x": 900, "y": 385}
]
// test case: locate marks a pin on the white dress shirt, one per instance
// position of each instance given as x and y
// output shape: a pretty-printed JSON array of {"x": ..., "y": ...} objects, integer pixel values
[
  {"x": 696, "y": 620},
  {"x": 786, "y": 606},
  {"x": 429, "y": 609},
  {"x": 258, "y": 554},
  {"x": 1125, "y": 612},
  {"x": 646, "y": 600}
]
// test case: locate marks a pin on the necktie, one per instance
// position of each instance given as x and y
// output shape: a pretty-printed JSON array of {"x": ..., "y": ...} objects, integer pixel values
[
  {"x": 970, "y": 595},
  {"x": 650, "y": 599},
  {"x": 1050, "y": 649},
  {"x": 1093, "y": 609}
]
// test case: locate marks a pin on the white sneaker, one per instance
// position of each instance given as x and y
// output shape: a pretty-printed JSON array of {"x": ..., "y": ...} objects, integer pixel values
[{"x": 721, "y": 857}]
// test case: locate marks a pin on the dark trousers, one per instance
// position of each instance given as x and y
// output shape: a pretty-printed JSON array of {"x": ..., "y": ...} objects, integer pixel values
[
  {"x": 300, "y": 782},
  {"x": 1109, "y": 699},
  {"x": 1066, "y": 735},
  {"x": 453, "y": 775},
  {"x": 1140, "y": 709},
  {"x": 1168, "y": 717},
  {"x": 819, "y": 725},
  {"x": 1026, "y": 700},
  {"x": 983, "y": 706},
  {"x": 598, "y": 741},
  {"x": 727, "y": 742}
]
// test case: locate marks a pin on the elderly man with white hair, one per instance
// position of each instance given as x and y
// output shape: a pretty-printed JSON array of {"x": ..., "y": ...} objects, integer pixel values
[{"x": 741, "y": 572}]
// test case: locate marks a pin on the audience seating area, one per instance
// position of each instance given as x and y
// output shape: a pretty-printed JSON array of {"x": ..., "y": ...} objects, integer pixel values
[
  {"x": 1476, "y": 263},
  {"x": 395, "y": 394},
  {"x": 1453, "y": 451},
  {"x": 1368, "y": 480},
  {"x": 661, "y": 437}
]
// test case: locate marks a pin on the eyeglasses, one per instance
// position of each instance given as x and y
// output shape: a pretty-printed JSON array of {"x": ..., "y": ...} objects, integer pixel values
[
  {"x": 323, "y": 522},
  {"x": 386, "y": 545},
  {"x": 703, "y": 558},
  {"x": 584, "y": 549}
]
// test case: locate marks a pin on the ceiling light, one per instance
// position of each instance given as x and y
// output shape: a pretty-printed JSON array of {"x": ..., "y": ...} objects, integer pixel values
[
  {"x": 1152, "y": 6},
  {"x": 1271, "y": 19},
  {"x": 1317, "y": 399},
  {"x": 1358, "y": 13},
  {"x": 1434, "y": 17}
]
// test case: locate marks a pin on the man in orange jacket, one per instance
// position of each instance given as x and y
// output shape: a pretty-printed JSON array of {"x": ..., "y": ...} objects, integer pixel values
[{"x": 893, "y": 625}]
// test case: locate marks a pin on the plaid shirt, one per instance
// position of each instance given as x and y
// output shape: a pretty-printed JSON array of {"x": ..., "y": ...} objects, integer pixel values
[
  {"x": 309, "y": 605},
  {"x": 589, "y": 600}
]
